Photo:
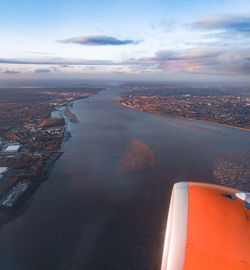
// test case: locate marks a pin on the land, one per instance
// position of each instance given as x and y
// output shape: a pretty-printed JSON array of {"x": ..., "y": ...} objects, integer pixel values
[
  {"x": 31, "y": 137},
  {"x": 218, "y": 105},
  {"x": 71, "y": 116}
]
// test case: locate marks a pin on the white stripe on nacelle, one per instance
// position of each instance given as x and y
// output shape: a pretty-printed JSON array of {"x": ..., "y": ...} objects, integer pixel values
[
  {"x": 174, "y": 250},
  {"x": 243, "y": 196}
]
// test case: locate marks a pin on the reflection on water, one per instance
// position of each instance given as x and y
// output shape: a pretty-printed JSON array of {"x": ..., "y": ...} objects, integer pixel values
[
  {"x": 233, "y": 169},
  {"x": 89, "y": 215}
]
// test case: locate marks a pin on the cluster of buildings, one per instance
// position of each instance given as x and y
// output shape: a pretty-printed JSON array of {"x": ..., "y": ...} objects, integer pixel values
[
  {"x": 8, "y": 149},
  {"x": 14, "y": 193},
  {"x": 3, "y": 171},
  {"x": 228, "y": 109},
  {"x": 15, "y": 155},
  {"x": 33, "y": 140},
  {"x": 12, "y": 148},
  {"x": 30, "y": 136}
]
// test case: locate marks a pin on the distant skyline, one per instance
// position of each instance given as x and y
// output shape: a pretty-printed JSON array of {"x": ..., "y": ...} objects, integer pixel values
[{"x": 158, "y": 40}]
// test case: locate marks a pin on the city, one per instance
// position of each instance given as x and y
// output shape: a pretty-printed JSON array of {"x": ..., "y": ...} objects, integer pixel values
[
  {"x": 214, "y": 105},
  {"x": 32, "y": 129}
]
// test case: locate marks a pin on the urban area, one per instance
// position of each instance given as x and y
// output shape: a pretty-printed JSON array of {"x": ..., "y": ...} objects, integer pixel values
[
  {"x": 229, "y": 107},
  {"x": 32, "y": 129}
]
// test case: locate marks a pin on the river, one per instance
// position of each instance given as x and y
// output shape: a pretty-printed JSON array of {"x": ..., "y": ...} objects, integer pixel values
[{"x": 92, "y": 215}]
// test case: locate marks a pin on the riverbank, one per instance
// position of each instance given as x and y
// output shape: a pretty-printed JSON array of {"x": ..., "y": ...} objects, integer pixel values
[
  {"x": 183, "y": 118},
  {"x": 71, "y": 116},
  {"x": 38, "y": 150},
  {"x": 17, "y": 198}
]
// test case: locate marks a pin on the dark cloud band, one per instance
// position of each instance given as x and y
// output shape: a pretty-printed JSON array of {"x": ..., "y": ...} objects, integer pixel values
[
  {"x": 54, "y": 61},
  {"x": 185, "y": 61},
  {"x": 236, "y": 24},
  {"x": 11, "y": 72},
  {"x": 98, "y": 41},
  {"x": 42, "y": 70}
]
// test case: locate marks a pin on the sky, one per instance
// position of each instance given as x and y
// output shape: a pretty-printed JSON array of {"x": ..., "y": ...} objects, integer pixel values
[{"x": 139, "y": 39}]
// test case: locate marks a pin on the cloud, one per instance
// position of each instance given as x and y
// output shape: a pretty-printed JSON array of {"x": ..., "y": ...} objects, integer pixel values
[
  {"x": 229, "y": 61},
  {"x": 231, "y": 24},
  {"x": 233, "y": 62},
  {"x": 64, "y": 66},
  {"x": 165, "y": 25},
  {"x": 167, "y": 56},
  {"x": 42, "y": 70},
  {"x": 98, "y": 41},
  {"x": 11, "y": 72},
  {"x": 54, "y": 61}
]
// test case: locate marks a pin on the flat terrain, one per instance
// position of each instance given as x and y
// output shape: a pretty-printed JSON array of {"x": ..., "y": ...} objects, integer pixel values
[
  {"x": 212, "y": 104},
  {"x": 30, "y": 139}
]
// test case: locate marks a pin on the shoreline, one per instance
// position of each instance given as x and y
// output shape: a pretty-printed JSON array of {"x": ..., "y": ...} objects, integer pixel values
[
  {"x": 20, "y": 205},
  {"x": 70, "y": 116},
  {"x": 186, "y": 118}
]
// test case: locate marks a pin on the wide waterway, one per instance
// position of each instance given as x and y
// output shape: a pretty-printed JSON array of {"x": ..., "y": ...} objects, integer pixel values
[{"x": 92, "y": 214}]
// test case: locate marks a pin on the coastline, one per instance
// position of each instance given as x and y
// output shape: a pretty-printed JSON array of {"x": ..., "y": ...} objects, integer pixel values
[
  {"x": 19, "y": 205},
  {"x": 186, "y": 118}
]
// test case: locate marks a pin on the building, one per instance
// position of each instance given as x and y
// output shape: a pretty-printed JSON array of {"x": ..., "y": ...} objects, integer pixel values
[
  {"x": 12, "y": 148},
  {"x": 3, "y": 170}
]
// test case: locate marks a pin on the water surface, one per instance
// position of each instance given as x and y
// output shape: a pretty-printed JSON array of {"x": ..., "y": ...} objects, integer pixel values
[{"x": 90, "y": 215}]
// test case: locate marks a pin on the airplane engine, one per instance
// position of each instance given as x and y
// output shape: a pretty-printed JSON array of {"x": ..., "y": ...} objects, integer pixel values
[{"x": 207, "y": 228}]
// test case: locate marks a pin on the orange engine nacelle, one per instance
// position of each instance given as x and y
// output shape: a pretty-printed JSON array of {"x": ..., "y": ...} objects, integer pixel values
[{"x": 207, "y": 229}]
